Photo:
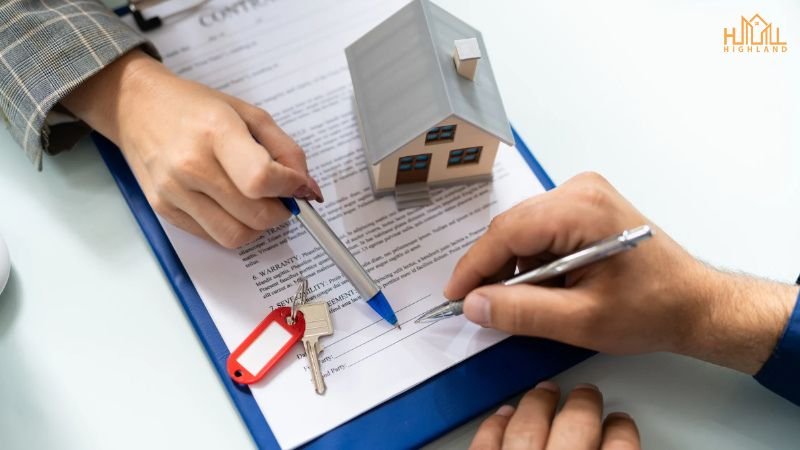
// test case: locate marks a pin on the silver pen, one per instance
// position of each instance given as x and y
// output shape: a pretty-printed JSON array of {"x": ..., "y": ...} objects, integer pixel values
[{"x": 595, "y": 252}]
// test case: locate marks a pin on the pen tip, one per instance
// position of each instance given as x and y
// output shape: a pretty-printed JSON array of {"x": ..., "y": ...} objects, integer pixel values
[{"x": 397, "y": 325}]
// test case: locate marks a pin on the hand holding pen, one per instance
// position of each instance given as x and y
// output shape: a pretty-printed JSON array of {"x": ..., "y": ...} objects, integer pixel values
[
  {"x": 655, "y": 298},
  {"x": 634, "y": 302},
  {"x": 627, "y": 240},
  {"x": 228, "y": 160}
]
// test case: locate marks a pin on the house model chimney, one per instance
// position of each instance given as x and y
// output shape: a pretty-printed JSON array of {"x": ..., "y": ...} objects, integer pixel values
[{"x": 466, "y": 55}]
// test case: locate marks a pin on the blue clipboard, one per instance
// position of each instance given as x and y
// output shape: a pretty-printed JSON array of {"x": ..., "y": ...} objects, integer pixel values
[{"x": 411, "y": 419}]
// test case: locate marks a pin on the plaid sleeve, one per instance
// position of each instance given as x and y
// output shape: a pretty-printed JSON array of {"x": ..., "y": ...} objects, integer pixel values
[{"x": 47, "y": 48}]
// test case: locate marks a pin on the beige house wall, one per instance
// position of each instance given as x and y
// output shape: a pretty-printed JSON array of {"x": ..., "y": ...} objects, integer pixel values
[{"x": 385, "y": 172}]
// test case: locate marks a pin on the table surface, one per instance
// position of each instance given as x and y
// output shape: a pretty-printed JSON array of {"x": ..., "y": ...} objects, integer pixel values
[{"x": 97, "y": 353}]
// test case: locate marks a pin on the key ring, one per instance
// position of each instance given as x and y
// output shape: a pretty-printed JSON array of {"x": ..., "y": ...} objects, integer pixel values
[{"x": 298, "y": 300}]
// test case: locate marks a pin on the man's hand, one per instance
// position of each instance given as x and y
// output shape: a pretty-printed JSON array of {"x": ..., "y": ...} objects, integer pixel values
[
  {"x": 578, "y": 426},
  {"x": 207, "y": 162},
  {"x": 654, "y": 298}
]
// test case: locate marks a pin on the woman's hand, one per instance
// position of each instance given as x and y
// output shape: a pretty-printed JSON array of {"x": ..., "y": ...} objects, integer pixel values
[
  {"x": 534, "y": 424},
  {"x": 207, "y": 162}
]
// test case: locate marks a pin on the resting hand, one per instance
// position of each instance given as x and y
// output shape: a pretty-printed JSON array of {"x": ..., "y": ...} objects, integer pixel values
[
  {"x": 578, "y": 426},
  {"x": 654, "y": 298},
  {"x": 207, "y": 162}
]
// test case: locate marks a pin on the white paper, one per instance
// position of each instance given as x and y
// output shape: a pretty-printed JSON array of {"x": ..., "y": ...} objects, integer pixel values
[{"x": 288, "y": 57}]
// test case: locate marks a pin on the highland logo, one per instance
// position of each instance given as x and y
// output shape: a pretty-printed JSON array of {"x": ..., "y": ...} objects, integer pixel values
[{"x": 754, "y": 36}]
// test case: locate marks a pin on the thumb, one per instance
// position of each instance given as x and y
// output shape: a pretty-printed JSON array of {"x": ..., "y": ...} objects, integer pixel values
[{"x": 551, "y": 313}]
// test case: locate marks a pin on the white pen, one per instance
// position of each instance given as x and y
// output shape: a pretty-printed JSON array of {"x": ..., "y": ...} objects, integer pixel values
[{"x": 595, "y": 252}]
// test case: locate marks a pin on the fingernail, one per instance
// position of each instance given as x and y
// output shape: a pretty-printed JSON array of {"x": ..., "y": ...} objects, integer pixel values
[
  {"x": 505, "y": 411},
  {"x": 477, "y": 308},
  {"x": 548, "y": 386},
  {"x": 618, "y": 415},
  {"x": 586, "y": 386},
  {"x": 303, "y": 192},
  {"x": 316, "y": 189}
]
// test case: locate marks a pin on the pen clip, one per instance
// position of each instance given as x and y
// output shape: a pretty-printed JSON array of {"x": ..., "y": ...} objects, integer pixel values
[{"x": 635, "y": 235}]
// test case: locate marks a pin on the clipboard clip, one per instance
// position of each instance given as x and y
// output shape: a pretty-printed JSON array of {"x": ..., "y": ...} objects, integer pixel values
[
  {"x": 143, "y": 23},
  {"x": 161, "y": 10}
]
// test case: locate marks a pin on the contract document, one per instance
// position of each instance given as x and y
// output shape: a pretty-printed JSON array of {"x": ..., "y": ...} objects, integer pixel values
[{"x": 287, "y": 57}]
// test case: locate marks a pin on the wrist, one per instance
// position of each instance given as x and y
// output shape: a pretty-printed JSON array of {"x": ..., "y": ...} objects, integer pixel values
[
  {"x": 105, "y": 99},
  {"x": 740, "y": 319}
]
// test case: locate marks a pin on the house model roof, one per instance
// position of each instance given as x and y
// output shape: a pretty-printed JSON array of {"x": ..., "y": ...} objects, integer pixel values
[{"x": 405, "y": 80}]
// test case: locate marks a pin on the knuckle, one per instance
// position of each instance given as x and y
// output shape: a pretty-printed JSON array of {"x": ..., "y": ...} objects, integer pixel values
[
  {"x": 520, "y": 438},
  {"x": 586, "y": 420},
  {"x": 254, "y": 184},
  {"x": 591, "y": 177},
  {"x": 519, "y": 322},
  {"x": 206, "y": 124},
  {"x": 594, "y": 195},
  {"x": 261, "y": 118},
  {"x": 264, "y": 218},
  {"x": 188, "y": 164},
  {"x": 228, "y": 238},
  {"x": 236, "y": 235},
  {"x": 211, "y": 119},
  {"x": 229, "y": 243},
  {"x": 294, "y": 157},
  {"x": 593, "y": 188},
  {"x": 498, "y": 223},
  {"x": 492, "y": 423},
  {"x": 162, "y": 207},
  {"x": 165, "y": 186}
]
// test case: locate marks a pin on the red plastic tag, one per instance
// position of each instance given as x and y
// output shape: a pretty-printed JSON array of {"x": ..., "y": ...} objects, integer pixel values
[{"x": 265, "y": 346}]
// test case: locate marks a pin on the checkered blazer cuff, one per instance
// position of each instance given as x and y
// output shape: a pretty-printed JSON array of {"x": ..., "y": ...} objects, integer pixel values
[{"x": 47, "y": 48}]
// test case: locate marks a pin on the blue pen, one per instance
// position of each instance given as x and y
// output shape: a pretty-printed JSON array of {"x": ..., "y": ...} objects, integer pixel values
[{"x": 338, "y": 253}]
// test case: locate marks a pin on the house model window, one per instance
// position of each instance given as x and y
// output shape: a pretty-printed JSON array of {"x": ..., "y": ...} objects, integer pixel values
[
  {"x": 415, "y": 162},
  {"x": 464, "y": 156},
  {"x": 440, "y": 134}
]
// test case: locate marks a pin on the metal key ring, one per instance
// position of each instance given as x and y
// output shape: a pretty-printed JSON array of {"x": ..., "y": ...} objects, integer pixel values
[{"x": 298, "y": 300}]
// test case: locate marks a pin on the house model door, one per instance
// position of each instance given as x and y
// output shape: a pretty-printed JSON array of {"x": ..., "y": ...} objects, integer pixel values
[{"x": 413, "y": 169}]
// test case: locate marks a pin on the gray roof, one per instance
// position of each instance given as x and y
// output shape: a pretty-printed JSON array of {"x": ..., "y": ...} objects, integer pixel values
[{"x": 405, "y": 80}]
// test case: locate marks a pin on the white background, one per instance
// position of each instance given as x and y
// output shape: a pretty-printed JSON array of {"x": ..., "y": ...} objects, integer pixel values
[{"x": 96, "y": 352}]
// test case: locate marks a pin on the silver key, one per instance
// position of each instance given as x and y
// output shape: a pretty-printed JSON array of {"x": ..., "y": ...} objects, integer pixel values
[{"x": 318, "y": 324}]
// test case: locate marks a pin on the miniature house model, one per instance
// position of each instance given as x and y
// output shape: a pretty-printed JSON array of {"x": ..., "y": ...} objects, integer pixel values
[{"x": 428, "y": 106}]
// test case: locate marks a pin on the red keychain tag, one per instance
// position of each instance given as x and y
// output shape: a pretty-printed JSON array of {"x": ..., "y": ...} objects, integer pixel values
[{"x": 266, "y": 345}]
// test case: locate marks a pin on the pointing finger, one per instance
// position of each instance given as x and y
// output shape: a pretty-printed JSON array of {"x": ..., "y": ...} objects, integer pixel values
[
  {"x": 254, "y": 172},
  {"x": 532, "y": 227},
  {"x": 281, "y": 147}
]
